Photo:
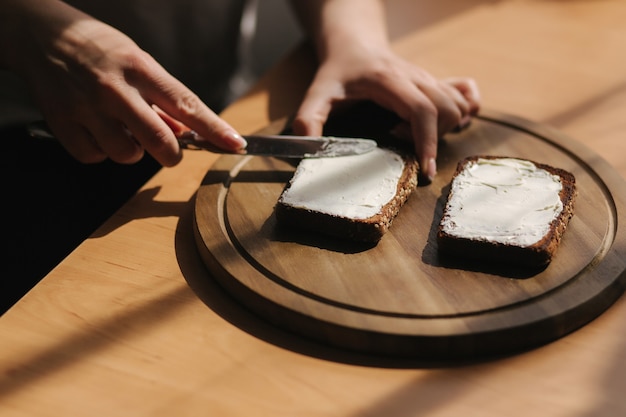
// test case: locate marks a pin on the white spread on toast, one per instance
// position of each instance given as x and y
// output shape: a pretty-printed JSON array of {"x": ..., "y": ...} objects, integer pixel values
[
  {"x": 505, "y": 200},
  {"x": 355, "y": 187}
]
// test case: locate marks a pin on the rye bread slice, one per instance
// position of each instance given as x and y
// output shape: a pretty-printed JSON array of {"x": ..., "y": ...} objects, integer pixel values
[
  {"x": 369, "y": 229},
  {"x": 479, "y": 248}
]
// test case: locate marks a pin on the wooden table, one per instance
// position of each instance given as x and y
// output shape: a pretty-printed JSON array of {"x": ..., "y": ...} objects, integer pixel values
[{"x": 129, "y": 324}]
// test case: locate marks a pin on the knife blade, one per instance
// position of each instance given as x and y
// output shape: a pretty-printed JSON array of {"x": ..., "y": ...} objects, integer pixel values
[
  {"x": 283, "y": 146},
  {"x": 287, "y": 146}
]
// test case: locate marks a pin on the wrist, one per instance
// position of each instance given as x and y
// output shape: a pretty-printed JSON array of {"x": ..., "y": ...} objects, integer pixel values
[
  {"x": 337, "y": 25},
  {"x": 11, "y": 25}
]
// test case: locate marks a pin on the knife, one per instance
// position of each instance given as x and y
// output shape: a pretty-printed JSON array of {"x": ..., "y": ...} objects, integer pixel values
[{"x": 283, "y": 146}]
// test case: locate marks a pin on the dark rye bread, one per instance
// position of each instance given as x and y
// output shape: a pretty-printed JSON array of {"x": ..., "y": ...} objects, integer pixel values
[
  {"x": 538, "y": 254},
  {"x": 359, "y": 230}
]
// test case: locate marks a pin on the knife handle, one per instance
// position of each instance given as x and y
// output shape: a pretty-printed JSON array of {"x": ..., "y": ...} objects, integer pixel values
[{"x": 190, "y": 140}]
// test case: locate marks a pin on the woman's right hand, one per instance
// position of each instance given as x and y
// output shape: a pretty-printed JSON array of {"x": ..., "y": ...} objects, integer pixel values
[{"x": 97, "y": 89}]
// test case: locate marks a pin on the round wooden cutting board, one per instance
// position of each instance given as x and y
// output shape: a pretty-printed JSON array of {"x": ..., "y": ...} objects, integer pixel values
[{"x": 399, "y": 297}]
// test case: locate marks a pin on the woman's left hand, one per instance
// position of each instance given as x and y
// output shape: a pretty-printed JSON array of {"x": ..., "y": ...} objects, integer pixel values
[{"x": 431, "y": 107}]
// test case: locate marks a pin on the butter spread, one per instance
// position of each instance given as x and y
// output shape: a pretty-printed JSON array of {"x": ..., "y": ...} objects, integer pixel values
[
  {"x": 504, "y": 200},
  {"x": 355, "y": 187}
]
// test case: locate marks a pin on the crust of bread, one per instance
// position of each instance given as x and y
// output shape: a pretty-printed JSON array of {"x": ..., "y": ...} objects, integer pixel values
[
  {"x": 537, "y": 255},
  {"x": 371, "y": 229}
]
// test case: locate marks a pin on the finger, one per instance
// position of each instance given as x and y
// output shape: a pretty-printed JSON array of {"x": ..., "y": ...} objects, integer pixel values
[
  {"x": 77, "y": 141},
  {"x": 457, "y": 97},
  {"x": 410, "y": 103},
  {"x": 148, "y": 130},
  {"x": 448, "y": 112},
  {"x": 155, "y": 136},
  {"x": 126, "y": 124},
  {"x": 424, "y": 130},
  {"x": 314, "y": 110},
  {"x": 177, "y": 127},
  {"x": 116, "y": 141},
  {"x": 182, "y": 104},
  {"x": 470, "y": 90},
  {"x": 462, "y": 104}
]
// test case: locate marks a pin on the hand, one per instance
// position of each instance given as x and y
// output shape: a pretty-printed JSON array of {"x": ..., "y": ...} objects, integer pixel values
[
  {"x": 97, "y": 88},
  {"x": 430, "y": 107}
]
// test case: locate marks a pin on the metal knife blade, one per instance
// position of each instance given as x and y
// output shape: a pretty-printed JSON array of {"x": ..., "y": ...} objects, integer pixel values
[{"x": 288, "y": 146}]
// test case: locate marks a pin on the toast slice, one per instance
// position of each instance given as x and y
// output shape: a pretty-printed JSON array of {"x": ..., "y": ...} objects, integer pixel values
[
  {"x": 351, "y": 197},
  {"x": 506, "y": 210}
]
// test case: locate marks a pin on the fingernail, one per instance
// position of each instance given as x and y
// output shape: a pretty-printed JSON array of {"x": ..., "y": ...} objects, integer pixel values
[
  {"x": 431, "y": 169},
  {"x": 237, "y": 140}
]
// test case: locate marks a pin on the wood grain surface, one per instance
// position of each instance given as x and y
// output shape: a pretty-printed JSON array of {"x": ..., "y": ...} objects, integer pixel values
[{"x": 400, "y": 297}]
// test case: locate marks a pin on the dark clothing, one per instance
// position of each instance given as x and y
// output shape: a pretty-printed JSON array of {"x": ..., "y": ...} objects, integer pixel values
[{"x": 51, "y": 204}]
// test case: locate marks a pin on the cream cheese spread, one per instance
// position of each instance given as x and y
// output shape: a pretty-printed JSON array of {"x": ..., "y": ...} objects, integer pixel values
[
  {"x": 504, "y": 200},
  {"x": 355, "y": 187}
]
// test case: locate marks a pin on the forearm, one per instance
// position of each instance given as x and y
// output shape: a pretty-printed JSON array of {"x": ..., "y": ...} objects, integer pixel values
[
  {"x": 30, "y": 27},
  {"x": 12, "y": 13},
  {"x": 334, "y": 25}
]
